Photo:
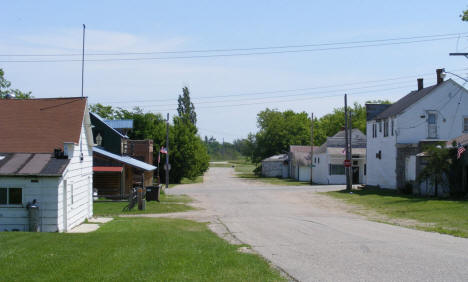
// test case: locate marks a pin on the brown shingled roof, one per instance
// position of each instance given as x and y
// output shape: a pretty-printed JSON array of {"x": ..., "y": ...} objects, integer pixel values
[{"x": 40, "y": 125}]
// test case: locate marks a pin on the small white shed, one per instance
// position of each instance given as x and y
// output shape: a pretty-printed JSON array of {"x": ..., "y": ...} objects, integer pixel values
[
  {"x": 276, "y": 166},
  {"x": 47, "y": 159}
]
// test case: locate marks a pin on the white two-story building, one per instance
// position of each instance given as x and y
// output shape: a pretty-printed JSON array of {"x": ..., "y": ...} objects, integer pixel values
[{"x": 396, "y": 133}]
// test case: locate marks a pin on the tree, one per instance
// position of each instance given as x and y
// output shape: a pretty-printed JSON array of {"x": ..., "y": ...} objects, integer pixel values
[
  {"x": 188, "y": 156},
  {"x": 437, "y": 168},
  {"x": 278, "y": 130},
  {"x": 464, "y": 16},
  {"x": 186, "y": 109},
  {"x": 5, "y": 89},
  {"x": 106, "y": 112}
]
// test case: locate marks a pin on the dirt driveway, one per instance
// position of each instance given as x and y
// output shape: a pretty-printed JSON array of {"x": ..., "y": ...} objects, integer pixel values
[{"x": 312, "y": 237}]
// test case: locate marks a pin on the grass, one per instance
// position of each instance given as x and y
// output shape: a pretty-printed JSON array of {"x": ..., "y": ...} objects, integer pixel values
[
  {"x": 167, "y": 204},
  {"x": 130, "y": 249},
  {"x": 185, "y": 180},
  {"x": 430, "y": 214},
  {"x": 244, "y": 169}
]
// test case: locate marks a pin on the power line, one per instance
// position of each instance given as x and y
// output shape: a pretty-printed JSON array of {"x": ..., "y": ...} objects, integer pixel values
[
  {"x": 283, "y": 96},
  {"x": 452, "y": 35},
  {"x": 282, "y": 90},
  {"x": 289, "y": 101},
  {"x": 228, "y": 55}
]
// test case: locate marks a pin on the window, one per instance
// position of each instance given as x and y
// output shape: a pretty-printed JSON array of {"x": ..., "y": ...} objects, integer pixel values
[
  {"x": 337, "y": 169},
  {"x": 385, "y": 133},
  {"x": 11, "y": 196},
  {"x": 380, "y": 126},
  {"x": 432, "y": 125},
  {"x": 393, "y": 127},
  {"x": 374, "y": 130},
  {"x": 465, "y": 124},
  {"x": 318, "y": 160},
  {"x": 365, "y": 169}
]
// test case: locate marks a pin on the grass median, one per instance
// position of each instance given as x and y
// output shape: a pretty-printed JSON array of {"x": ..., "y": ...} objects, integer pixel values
[
  {"x": 167, "y": 204},
  {"x": 430, "y": 214},
  {"x": 130, "y": 249}
]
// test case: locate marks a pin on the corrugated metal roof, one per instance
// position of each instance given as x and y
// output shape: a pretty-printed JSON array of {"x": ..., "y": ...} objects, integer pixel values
[
  {"x": 21, "y": 164},
  {"x": 277, "y": 158},
  {"x": 120, "y": 123},
  {"x": 125, "y": 159}
]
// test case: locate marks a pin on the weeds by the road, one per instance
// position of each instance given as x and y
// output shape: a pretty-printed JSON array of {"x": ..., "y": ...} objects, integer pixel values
[
  {"x": 167, "y": 204},
  {"x": 130, "y": 249},
  {"x": 245, "y": 169},
  {"x": 429, "y": 214}
]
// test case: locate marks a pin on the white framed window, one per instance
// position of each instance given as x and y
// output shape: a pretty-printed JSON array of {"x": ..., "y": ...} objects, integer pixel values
[
  {"x": 465, "y": 124},
  {"x": 11, "y": 196},
  {"x": 432, "y": 124}
]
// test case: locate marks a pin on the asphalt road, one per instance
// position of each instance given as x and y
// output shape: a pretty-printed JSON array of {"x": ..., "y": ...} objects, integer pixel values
[{"x": 311, "y": 237}]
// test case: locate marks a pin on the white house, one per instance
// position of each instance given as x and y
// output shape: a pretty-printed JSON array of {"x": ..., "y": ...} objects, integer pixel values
[
  {"x": 276, "y": 166},
  {"x": 396, "y": 133},
  {"x": 329, "y": 159},
  {"x": 46, "y": 157}
]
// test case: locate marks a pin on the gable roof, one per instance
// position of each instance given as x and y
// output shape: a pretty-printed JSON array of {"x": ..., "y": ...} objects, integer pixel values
[
  {"x": 105, "y": 123},
  {"x": 40, "y": 125},
  {"x": 408, "y": 100}
]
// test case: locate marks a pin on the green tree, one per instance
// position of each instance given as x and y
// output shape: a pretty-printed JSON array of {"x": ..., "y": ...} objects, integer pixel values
[
  {"x": 188, "y": 155},
  {"x": 278, "y": 130},
  {"x": 437, "y": 168},
  {"x": 5, "y": 89},
  {"x": 464, "y": 16},
  {"x": 186, "y": 109},
  {"x": 106, "y": 112}
]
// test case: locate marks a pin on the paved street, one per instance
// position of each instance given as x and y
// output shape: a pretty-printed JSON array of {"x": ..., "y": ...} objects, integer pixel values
[{"x": 312, "y": 237}]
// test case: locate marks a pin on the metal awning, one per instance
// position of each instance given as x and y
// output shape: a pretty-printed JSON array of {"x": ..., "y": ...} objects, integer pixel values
[{"x": 125, "y": 159}]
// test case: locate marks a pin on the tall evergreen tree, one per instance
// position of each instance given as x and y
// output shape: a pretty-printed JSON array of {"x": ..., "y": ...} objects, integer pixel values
[{"x": 186, "y": 109}]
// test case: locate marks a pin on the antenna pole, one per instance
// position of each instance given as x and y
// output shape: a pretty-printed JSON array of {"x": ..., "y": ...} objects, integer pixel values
[{"x": 82, "y": 61}]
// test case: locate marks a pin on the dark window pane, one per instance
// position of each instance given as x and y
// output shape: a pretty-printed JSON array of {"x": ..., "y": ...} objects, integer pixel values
[
  {"x": 3, "y": 196},
  {"x": 15, "y": 196}
]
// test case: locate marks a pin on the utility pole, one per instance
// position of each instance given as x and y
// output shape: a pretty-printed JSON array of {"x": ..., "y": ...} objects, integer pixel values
[
  {"x": 350, "y": 129},
  {"x": 167, "y": 149},
  {"x": 346, "y": 164},
  {"x": 311, "y": 146}
]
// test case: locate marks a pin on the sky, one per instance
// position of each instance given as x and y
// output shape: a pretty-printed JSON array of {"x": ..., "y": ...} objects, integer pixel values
[{"x": 229, "y": 91}]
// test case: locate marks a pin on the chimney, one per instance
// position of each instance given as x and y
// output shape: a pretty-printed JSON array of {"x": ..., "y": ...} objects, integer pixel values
[
  {"x": 420, "y": 84},
  {"x": 440, "y": 79}
]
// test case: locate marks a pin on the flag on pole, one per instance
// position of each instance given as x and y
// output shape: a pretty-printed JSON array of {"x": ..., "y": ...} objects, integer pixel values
[
  {"x": 460, "y": 151},
  {"x": 163, "y": 150}
]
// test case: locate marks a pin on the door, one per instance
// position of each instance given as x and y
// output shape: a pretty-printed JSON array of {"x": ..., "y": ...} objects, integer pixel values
[
  {"x": 355, "y": 175},
  {"x": 432, "y": 125}
]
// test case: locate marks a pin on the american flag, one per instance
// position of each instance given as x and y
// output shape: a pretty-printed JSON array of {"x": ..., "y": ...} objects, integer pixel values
[
  {"x": 460, "y": 151},
  {"x": 163, "y": 150}
]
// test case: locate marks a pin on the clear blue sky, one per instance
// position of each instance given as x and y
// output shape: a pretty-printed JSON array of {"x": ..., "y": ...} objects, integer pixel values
[{"x": 53, "y": 27}]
